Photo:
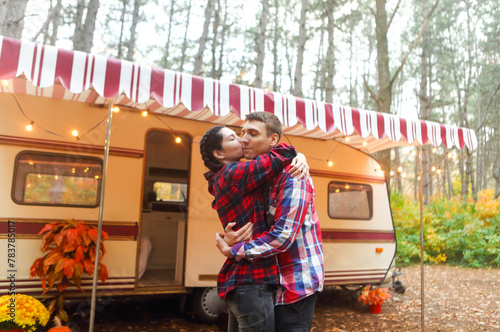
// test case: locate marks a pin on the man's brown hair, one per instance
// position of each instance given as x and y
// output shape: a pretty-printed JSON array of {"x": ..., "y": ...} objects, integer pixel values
[{"x": 273, "y": 124}]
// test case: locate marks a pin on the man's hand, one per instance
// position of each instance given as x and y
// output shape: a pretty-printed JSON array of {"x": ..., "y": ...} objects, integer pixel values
[
  {"x": 300, "y": 168},
  {"x": 243, "y": 234},
  {"x": 222, "y": 245}
]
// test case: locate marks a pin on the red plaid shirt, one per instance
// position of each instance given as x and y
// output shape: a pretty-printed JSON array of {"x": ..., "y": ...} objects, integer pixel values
[{"x": 239, "y": 190}]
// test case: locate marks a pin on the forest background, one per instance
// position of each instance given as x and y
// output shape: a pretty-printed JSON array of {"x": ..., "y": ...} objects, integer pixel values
[{"x": 436, "y": 60}]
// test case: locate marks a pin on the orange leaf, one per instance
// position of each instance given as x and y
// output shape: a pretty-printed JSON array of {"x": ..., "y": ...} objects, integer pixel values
[
  {"x": 59, "y": 265},
  {"x": 93, "y": 234},
  {"x": 69, "y": 267},
  {"x": 103, "y": 274},
  {"x": 58, "y": 238},
  {"x": 47, "y": 228},
  {"x": 70, "y": 247},
  {"x": 61, "y": 287},
  {"x": 35, "y": 266},
  {"x": 71, "y": 235},
  {"x": 104, "y": 235},
  {"x": 44, "y": 281},
  {"x": 53, "y": 257},
  {"x": 79, "y": 254},
  {"x": 78, "y": 269},
  {"x": 89, "y": 267}
]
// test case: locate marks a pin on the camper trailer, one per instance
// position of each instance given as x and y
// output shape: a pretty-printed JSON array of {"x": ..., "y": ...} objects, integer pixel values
[{"x": 156, "y": 209}]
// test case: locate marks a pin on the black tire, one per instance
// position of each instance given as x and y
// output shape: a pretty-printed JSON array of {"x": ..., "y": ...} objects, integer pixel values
[{"x": 207, "y": 305}]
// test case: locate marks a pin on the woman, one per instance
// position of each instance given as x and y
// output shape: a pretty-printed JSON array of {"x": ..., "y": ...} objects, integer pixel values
[{"x": 240, "y": 195}]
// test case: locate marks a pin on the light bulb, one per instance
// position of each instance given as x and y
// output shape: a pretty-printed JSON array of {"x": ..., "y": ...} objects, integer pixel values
[
  {"x": 5, "y": 83},
  {"x": 347, "y": 139},
  {"x": 364, "y": 143},
  {"x": 330, "y": 163},
  {"x": 30, "y": 126},
  {"x": 74, "y": 133},
  {"x": 144, "y": 113},
  {"x": 178, "y": 140}
]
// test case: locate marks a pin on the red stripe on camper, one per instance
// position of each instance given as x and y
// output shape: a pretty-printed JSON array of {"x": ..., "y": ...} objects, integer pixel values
[
  {"x": 461, "y": 141},
  {"x": 64, "y": 67},
  {"x": 443, "y": 135},
  {"x": 112, "y": 78},
  {"x": 423, "y": 132},
  {"x": 380, "y": 125},
  {"x": 300, "y": 110},
  {"x": 197, "y": 91},
  {"x": 235, "y": 99},
  {"x": 33, "y": 228},
  {"x": 341, "y": 235},
  {"x": 268, "y": 102},
  {"x": 157, "y": 84},
  {"x": 356, "y": 120},
  {"x": 402, "y": 128},
  {"x": 9, "y": 58}
]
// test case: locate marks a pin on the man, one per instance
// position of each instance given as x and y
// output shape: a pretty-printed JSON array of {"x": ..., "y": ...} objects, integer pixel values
[{"x": 295, "y": 237}]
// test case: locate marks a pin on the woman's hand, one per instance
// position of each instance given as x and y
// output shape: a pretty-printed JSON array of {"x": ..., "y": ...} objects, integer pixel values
[
  {"x": 300, "y": 168},
  {"x": 243, "y": 234}
]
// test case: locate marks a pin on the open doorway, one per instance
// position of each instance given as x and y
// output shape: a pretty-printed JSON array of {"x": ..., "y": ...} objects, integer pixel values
[{"x": 164, "y": 213}]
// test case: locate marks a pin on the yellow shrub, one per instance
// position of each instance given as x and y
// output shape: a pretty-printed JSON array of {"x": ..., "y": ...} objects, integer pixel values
[{"x": 486, "y": 206}]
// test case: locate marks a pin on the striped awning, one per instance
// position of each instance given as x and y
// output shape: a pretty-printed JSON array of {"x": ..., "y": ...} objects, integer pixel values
[{"x": 42, "y": 70}]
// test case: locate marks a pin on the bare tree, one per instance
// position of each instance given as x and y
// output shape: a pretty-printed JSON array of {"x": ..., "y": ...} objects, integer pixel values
[
  {"x": 169, "y": 33},
  {"x": 54, "y": 17},
  {"x": 184, "y": 40},
  {"x": 133, "y": 28},
  {"x": 12, "y": 13},
  {"x": 203, "y": 39},
  {"x": 297, "y": 89},
  {"x": 329, "y": 7},
  {"x": 122, "y": 27},
  {"x": 261, "y": 44},
  {"x": 84, "y": 32}
]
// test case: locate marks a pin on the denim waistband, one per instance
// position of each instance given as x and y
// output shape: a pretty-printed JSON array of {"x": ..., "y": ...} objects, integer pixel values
[{"x": 264, "y": 287}]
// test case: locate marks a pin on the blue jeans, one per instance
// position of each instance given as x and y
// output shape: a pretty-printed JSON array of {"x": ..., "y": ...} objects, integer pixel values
[
  {"x": 251, "y": 308},
  {"x": 296, "y": 317}
]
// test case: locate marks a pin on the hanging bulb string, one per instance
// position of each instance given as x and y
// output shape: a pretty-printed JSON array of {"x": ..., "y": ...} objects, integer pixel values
[
  {"x": 31, "y": 121},
  {"x": 94, "y": 127}
]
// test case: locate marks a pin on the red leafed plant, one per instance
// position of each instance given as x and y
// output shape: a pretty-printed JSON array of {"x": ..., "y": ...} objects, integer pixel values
[
  {"x": 70, "y": 248},
  {"x": 374, "y": 296}
]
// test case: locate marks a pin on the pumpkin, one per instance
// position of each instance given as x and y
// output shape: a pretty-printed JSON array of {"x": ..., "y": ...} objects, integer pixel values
[{"x": 59, "y": 327}]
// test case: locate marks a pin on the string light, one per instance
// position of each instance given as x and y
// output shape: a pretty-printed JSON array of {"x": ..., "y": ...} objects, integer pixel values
[
  {"x": 365, "y": 143},
  {"x": 144, "y": 113},
  {"x": 75, "y": 134},
  {"x": 330, "y": 163},
  {"x": 404, "y": 175},
  {"x": 392, "y": 173},
  {"x": 347, "y": 186},
  {"x": 97, "y": 177},
  {"x": 178, "y": 140},
  {"x": 433, "y": 168},
  {"x": 434, "y": 150},
  {"x": 5, "y": 83},
  {"x": 347, "y": 139},
  {"x": 30, "y": 126},
  {"x": 438, "y": 171},
  {"x": 400, "y": 169},
  {"x": 115, "y": 109}
]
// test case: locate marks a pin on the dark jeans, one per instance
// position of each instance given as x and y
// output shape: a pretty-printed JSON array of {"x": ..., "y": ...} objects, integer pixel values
[
  {"x": 251, "y": 308},
  {"x": 296, "y": 317}
]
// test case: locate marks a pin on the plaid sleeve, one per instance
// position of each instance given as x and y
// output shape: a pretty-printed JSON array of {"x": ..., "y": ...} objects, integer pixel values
[
  {"x": 248, "y": 175},
  {"x": 291, "y": 209}
]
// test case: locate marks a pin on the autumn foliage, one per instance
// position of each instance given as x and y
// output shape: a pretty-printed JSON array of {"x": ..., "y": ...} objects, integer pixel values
[
  {"x": 374, "y": 296},
  {"x": 70, "y": 248}
]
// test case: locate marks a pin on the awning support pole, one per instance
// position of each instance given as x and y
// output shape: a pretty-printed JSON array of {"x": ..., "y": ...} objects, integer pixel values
[
  {"x": 99, "y": 225},
  {"x": 422, "y": 293}
]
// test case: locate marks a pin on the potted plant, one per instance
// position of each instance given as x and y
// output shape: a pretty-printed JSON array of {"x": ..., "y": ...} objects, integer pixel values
[
  {"x": 21, "y": 312},
  {"x": 374, "y": 298},
  {"x": 70, "y": 248}
]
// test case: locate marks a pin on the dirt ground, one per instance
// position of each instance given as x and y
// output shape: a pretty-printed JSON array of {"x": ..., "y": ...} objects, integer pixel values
[{"x": 456, "y": 299}]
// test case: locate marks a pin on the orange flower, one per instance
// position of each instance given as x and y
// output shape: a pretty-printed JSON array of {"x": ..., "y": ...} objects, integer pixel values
[{"x": 374, "y": 296}]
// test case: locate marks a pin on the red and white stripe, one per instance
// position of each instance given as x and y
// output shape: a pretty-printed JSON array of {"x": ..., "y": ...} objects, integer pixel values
[{"x": 189, "y": 96}]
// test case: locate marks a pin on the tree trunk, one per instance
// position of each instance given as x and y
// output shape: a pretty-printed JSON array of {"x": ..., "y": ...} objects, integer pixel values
[
  {"x": 12, "y": 13},
  {"x": 122, "y": 28},
  {"x": 496, "y": 175},
  {"x": 397, "y": 159},
  {"x": 215, "y": 30},
  {"x": 203, "y": 40},
  {"x": 330, "y": 53},
  {"x": 84, "y": 34},
  {"x": 301, "y": 48},
  {"x": 276, "y": 39},
  {"x": 220, "y": 69},
  {"x": 261, "y": 44},
  {"x": 133, "y": 28},
  {"x": 169, "y": 33},
  {"x": 184, "y": 41},
  {"x": 56, "y": 21}
]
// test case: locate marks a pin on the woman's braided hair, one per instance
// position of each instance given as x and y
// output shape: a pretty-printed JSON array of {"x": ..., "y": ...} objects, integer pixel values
[{"x": 210, "y": 142}]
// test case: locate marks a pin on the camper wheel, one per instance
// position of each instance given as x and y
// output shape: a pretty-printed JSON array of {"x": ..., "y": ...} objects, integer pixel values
[{"x": 207, "y": 305}]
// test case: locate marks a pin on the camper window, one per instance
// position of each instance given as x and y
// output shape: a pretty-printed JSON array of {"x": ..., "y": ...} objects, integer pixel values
[
  {"x": 56, "y": 179},
  {"x": 349, "y": 201},
  {"x": 170, "y": 192}
]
